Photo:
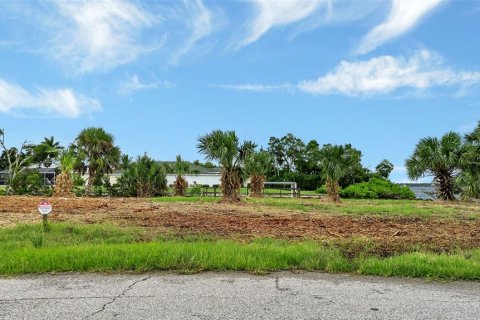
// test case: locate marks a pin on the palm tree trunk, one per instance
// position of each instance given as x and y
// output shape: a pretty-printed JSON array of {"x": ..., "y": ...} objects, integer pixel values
[
  {"x": 63, "y": 185},
  {"x": 444, "y": 185},
  {"x": 180, "y": 186},
  {"x": 91, "y": 178},
  {"x": 332, "y": 190},
  {"x": 230, "y": 186},
  {"x": 257, "y": 184}
]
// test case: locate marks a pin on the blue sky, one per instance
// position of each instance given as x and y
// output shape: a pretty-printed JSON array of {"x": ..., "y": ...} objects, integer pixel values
[{"x": 158, "y": 74}]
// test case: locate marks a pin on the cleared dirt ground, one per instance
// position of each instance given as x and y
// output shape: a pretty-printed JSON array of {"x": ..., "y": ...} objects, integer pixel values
[{"x": 246, "y": 221}]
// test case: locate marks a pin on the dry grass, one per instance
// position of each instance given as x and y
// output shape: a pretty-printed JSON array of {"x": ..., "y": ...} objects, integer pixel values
[{"x": 392, "y": 226}]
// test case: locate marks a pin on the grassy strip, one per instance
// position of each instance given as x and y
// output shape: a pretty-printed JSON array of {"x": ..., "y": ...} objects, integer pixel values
[
  {"x": 174, "y": 255},
  {"x": 462, "y": 265},
  {"x": 105, "y": 248},
  {"x": 258, "y": 256}
]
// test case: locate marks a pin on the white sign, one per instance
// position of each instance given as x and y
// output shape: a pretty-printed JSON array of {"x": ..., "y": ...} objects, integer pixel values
[{"x": 45, "y": 207}]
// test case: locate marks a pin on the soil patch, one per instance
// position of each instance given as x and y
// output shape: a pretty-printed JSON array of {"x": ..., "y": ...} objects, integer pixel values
[{"x": 247, "y": 221}]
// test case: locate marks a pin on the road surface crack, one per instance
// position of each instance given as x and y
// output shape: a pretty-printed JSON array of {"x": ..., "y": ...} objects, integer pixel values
[{"x": 122, "y": 294}]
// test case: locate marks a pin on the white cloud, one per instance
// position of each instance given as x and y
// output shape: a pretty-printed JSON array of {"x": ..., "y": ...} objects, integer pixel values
[
  {"x": 256, "y": 87},
  {"x": 404, "y": 15},
  {"x": 272, "y": 13},
  {"x": 98, "y": 35},
  {"x": 63, "y": 102},
  {"x": 385, "y": 74},
  {"x": 134, "y": 84},
  {"x": 201, "y": 24}
]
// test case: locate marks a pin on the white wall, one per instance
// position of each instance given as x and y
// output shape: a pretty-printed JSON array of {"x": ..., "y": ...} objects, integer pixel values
[{"x": 199, "y": 179}]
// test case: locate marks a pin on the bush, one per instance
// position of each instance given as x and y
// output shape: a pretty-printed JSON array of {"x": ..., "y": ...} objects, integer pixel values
[
  {"x": 29, "y": 182},
  {"x": 321, "y": 190},
  {"x": 142, "y": 178},
  {"x": 377, "y": 188},
  {"x": 195, "y": 190}
]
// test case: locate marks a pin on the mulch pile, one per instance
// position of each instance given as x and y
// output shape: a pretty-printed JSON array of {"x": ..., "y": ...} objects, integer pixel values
[{"x": 392, "y": 234}]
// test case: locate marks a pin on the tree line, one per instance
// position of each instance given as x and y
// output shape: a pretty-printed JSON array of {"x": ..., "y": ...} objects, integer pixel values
[{"x": 452, "y": 160}]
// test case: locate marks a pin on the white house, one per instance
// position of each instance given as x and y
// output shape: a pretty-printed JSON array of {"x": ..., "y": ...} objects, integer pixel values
[{"x": 199, "y": 179}]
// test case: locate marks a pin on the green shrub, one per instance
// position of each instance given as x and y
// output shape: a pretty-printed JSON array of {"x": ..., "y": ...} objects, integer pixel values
[
  {"x": 143, "y": 178},
  {"x": 195, "y": 190},
  {"x": 29, "y": 182},
  {"x": 322, "y": 190},
  {"x": 377, "y": 188}
]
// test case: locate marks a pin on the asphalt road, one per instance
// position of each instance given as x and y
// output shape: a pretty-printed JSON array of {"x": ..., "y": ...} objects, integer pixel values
[{"x": 234, "y": 296}]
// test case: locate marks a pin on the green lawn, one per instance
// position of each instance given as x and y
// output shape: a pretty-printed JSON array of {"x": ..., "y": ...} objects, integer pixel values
[{"x": 105, "y": 248}]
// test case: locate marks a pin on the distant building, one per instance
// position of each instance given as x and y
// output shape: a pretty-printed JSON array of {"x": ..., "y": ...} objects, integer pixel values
[
  {"x": 48, "y": 174},
  {"x": 199, "y": 175},
  {"x": 209, "y": 179}
]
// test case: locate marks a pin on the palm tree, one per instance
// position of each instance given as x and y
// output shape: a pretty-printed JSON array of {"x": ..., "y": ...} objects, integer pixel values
[
  {"x": 98, "y": 153},
  {"x": 441, "y": 158},
  {"x": 143, "y": 178},
  {"x": 334, "y": 162},
  {"x": 257, "y": 166},
  {"x": 469, "y": 178},
  {"x": 224, "y": 147},
  {"x": 474, "y": 136},
  {"x": 47, "y": 151},
  {"x": 64, "y": 181},
  {"x": 180, "y": 185}
]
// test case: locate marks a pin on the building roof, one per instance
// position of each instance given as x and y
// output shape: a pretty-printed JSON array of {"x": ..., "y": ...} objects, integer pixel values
[{"x": 196, "y": 168}]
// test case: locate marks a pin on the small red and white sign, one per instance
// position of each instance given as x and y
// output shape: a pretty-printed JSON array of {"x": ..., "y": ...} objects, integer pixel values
[{"x": 45, "y": 207}]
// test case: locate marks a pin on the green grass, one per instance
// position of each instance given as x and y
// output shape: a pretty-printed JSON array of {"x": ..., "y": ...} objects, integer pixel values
[
  {"x": 105, "y": 248},
  {"x": 61, "y": 234}
]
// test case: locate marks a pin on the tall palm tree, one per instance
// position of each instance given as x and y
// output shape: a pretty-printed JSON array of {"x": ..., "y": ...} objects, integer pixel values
[
  {"x": 440, "y": 158},
  {"x": 257, "y": 166},
  {"x": 98, "y": 153},
  {"x": 335, "y": 161},
  {"x": 224, "y": 147},
  {"x": 180, "y": 185}
]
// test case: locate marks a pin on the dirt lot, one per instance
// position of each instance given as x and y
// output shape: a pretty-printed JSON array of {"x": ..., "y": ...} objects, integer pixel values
[{"x": 248, "y": 221}]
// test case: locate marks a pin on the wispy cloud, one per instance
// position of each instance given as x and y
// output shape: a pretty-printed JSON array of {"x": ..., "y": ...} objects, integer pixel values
[
  {"x": 270, "y": 14},
  {"x": 134, "y": 84},
  {"x": 256, "y": 87},
  {"x": 98, "y": 35},
  {"x": 404, "y": 15},
  {"x": 385, "y": 74},
  {"x": 200, "y": 20},
  {"x": 63, "y": 102}
]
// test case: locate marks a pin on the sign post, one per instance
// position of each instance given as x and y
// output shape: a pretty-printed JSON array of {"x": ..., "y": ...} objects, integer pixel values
[{"x": 45, "y": 208}]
